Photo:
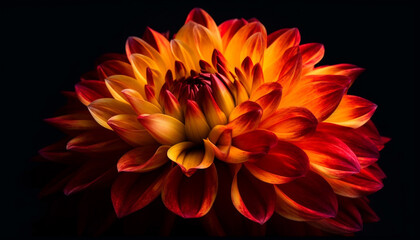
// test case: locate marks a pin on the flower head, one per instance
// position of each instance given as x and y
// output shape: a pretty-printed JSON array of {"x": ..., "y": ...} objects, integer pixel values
[{"x": 225, "y": 117}]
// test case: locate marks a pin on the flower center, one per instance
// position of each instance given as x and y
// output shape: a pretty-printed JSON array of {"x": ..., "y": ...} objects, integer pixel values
[{"x": 189, "y": 88}]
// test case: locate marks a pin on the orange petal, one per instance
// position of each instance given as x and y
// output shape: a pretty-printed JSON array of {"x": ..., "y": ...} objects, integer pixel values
[
  {"x": 241, "y": 92},
  {"x": 239, "y": 39},
  {"x": 190, "y": 197},
  {"x": 135, "y": 45},
  {"x": 89, "y": 90},
  {"x": 114, "y": 67},
  {"x": 268, "y": 96},
  {"x": 283, "y": 163},
  {"x": 165, "y": 129},
  {"x": 353, "y": 111},
  {"x": 96, "y": 141},
  {"x": 214, "y": 114},
  {"x": 142, "y": 65},
  {"x": 347, "y": 221},
  {"x": 245, "y": 117},
  {"x": 117, "y": 83},
  {"x": 74, "y": 122},
  {"x": 311, "y": 53},
  {"x": 345, "y": 69},
  {"x": 307, "y": 198},
  {"x": 104, "y": 108},
  {"x": 365, "y": 150},
  {"x": 251, "y": 197},
  {"x": 254, "y": 47},
  {"x": 183, "y": 53},
  {"x": 139, "y": 105},
  {"x": 143, "y": 159},
  {"x": 196, "y": 127},
  {"x": 201, "y": 17},
  {"x": 222, "y": 95},
  {"x": 160, "y": 43},
  {"x": 366, "y": 182},
  {"x": 228, "y": 29},
  {"x": 130, "y": 130},
  {"x": 329, "y": 156},
  {"x": 279, "y": 43},
  {"x": 291, "y": 63},
  {"x": 319, "y": 94},
  {"x": 190, "y": 156},
  {"x": 290, "y": 123},
  {"x": 132, "y": 191},
  {"x": 220, "y": 139}
]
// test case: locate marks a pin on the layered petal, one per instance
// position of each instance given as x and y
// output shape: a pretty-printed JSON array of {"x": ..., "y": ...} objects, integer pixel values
[
  {"x": 104, "y": 108},
  {"x": 283, "y": 163},
  {"x": 196, "y": 127},
  {"x": 201, "y": 17},
  {"x": 190, "y": 197},
  {"x": 89, "y": 90},
  {"x": 268, "y": 96},
  {"x": 228, "y": 29},
  {"x": 222, "y": 95},
  {"x": 307, "y": 198},
  {"x": 329, "y": 156},
  {"x": 132, "y": 191},
  {"x": 290, "y": 123},
  {"x": 214, "y": 115},
  {"x": 130, "y": 130},
  {"x": 245, "y": 117},
  {"x": 143, "y": 159},
  {"x": 74, "y": 122},
  {"x": 139, "y": 105},
  {"x": 96, "y": 141},
  {"x": 117, "y": 83},
  {"x": 165, "y": 129},
  {"x": 114, "y": 67},
  {"x": 251, "y": 197},
  {"x": 311, "y": 53},
  {"x": 353, "y": 111},
  {"x": 344, "y": 69}
]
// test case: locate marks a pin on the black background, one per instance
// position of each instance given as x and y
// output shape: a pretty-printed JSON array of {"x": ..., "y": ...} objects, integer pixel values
[{"x": 46, "y": 46}]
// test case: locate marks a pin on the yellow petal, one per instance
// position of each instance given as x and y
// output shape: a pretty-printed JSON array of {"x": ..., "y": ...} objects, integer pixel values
[
  {"x": 137, "y": 102},
  {"x": 254, "y": 48},
  {"x": 117, "y": 83},
  {"x": 130, "y": 130},
  {"x": 196, "y": 127},
  {"x": 183, "y": 53},
  {"x": 104, "y": 108},
  {"x": 165, "y": 129}
]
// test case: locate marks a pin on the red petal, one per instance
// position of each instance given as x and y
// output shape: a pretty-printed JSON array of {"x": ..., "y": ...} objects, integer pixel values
[
  {"x": 200, "y": 16},
  {"x": 353, "y": 111},
  {"x": 90, "y": 90},
  {"x": 190, "y": 197},
  {"x": 228, "y": 29},
  {"x": 143, "y": 159},
  {"x": 363, "y": 147},
  {"x": 329, "y": 156},
  {"x": 132, "y": 191},
  {"x": 312, "y": 53},
  {"x": 283, "y": 163},
  {"x": 307, "y": 198},
  {"x": 114, "y": 67},
  {"x": 57, "y": 152},
  {"x": 130, "y": 130},
  {"x": 345, "y": 69},
  {"x": 245, "y": 117},
  {"x": 368, "y": 215},
  {"x": 96, "y": 141},
  {"x": 291, "y": 63},
  {"x": 268, "y": 96},
  {"x": 255, "y": 141},
  {"x": 348, "y": 219},
  {"x": 251, "y": 197},
  {"x": 290, "y": 123},
  {"x": 369, "y": 130},
  {"x": 361, "y": 184}
]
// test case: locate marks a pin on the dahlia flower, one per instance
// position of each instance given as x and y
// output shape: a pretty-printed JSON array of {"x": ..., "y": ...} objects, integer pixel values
[{"x": 224, "y": 122}]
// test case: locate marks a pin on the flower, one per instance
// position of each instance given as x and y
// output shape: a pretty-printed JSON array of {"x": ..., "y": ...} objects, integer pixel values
[{"x": 220, "y": 122}]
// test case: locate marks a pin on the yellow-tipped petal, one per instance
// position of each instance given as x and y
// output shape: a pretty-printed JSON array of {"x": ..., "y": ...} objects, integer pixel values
[
  {"x": 104, "y": 108},
  {"x": 117, "y": 83},
  {"x": 183, "y": 53},
  {"x": 137, "y": 102},
  {"x": 214, "y": 114},
  {"x": 196, "y": 127},
  {"x": 139, "y": 46},
  {"x": 165, "y": 129},
  {"x": 222, "y": 95},
  {"x": 171, "y": 105},
  {"x": 140, "y": 65}
]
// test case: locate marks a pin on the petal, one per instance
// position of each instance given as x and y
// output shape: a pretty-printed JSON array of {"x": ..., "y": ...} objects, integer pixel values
[
  {"x": 74, "y": 122},
  {"x": 283, "y": 163},
  {"x": 251, "y": 197},
  {"x": 96, "y": 141},
  {"x": 89, "y": 90},
  {"x": 369, "y": 130},
  {"x": 268, "y": 96},
  {"x": 132, "y": 191},
  {"x": 201, "y": 17},
  {"x": 311, "y": 53},
  {"x": 307, "y": 198},
  {"x": 254, "y": 47},
  {"x": 368, "y": 215},
  {"x": 255, "y": 141},
  {"x": 319, "y": 94},
  {"x": 117, "y": 83},
  {"x": 190, "y": 197},
  {"x": 130, "y": 130},
  {"x": 137, "y": 102},
  {"x": 190, "y": 156},
  {"x": 220, "y": 139},
  {"x": 165, "y": 129},
  {"x": 228, "y": 29},
  {"x": 365, "y": 150},
  {"x": 135, "y": 45},
  {"x": 114, "y": 67},
  {"x": 329, "y": 156},
  {"x": 196, "y": 127},
  {"x": 57, "y": 152},
  {"x": 239, "y": 39},
  {"x": 345, "y": 69},
  {"x": 290, "y": 123},
  {"x": 142, "y": 65},
  {"x": 222, "y": 95},
  {"x": 90, "y": 173},
  {"x": 348, "y": 219},
  {"x": 214, "y": 115},
  {"x": 183, "y": 53},
  {"x": 291, "y": 63},
  {"x": 245, "y": 117},
  {"x": 143, "y": 159},
  {"x": 353, "y": 111},
  {"x": 104, "y": 108},
  {"x": 160, "y": 43},
  {"x": 366, "y": 182},
  {"x": 171, "y": 105}
]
